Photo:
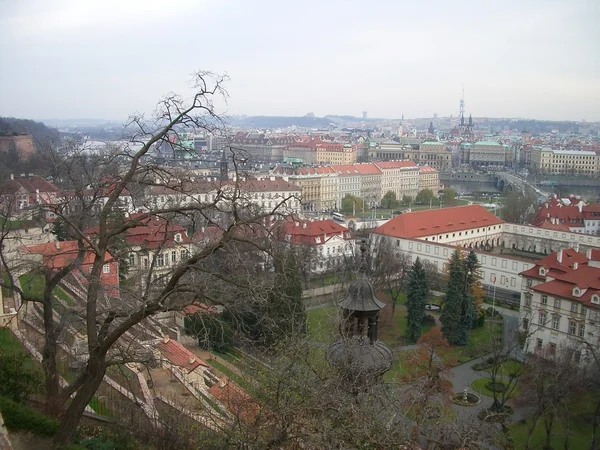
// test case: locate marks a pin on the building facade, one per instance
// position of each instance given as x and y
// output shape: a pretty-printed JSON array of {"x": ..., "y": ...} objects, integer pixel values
[
  {"x": 570, "y": 162},
  {"x": 429, "y": 178},
  {"x": 401, "y": 177}
]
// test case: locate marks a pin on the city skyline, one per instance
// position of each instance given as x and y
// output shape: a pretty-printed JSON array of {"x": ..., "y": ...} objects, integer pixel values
[{"x": 108, "y": 60}]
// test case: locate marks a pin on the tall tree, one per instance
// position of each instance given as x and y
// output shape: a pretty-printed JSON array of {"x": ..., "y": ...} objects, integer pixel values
[
  {"x": 468, "y": 307},
  {"x": 417, "y": 290},
  {"x": 452, "y": 308},
  {"x": 390, "y": 267},
  {"x": 389, "y": 200},
  {"x": 97, "y": 182},
  {"x": 519, "y": 207}
]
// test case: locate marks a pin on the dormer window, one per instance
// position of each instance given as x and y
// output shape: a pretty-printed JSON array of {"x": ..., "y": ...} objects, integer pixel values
[
  {"x": 595, "y": 299},
  {"x": 576, "y": 292},
  {"x": 178, "y": 237},
  {"x": 542, "y": 271}
]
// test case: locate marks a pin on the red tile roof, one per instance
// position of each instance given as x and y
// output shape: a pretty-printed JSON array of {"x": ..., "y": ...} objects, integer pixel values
[
  {"x": 356, "y": 169},
  {"x": 305, "y": 232},
  {"x": 235, "y": 399},
  {"x": 396, "y": 164},
  {"x": 178, "y": 355},
  {"x": 198, "y": 307},
  {"x": 29, "y": 184},
  {"x": 438, "y": 221},
  {"x": 427, "y": 169}
]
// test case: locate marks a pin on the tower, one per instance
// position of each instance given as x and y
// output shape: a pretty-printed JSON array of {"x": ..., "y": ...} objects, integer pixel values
[
  {"x": 430, "y": 130},
  {"x": 360, "y": 358},
  {"x": 461, "y": 113},
  {"x": 224, "y": 168}
]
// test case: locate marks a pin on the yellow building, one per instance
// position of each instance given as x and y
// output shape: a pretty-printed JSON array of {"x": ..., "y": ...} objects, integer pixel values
[
  {"x": 330, "y": 153},
  {"x": 434, "y": 154},
  {"x": 547, "y": 160},
  {"x": 429, "y": 178}
]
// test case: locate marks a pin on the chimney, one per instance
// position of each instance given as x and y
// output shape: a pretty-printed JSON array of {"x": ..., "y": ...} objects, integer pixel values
[
  {"x": 304, "y": 225},
  {"x": 166, "y": 338},
  {"x": 588, "y": 253},
  {"x": 575, "y": 265},
  {"x": 576, "y": 246},
  {"x": 12, "y": 176},
  {"x": 57, "y": 244},
  {"x": 192, "y": 360},
  {"x": 559, "y": 255},
  {"x": 580, "y": 206}
]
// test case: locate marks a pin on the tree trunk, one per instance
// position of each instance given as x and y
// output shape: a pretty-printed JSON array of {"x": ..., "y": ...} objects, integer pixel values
[
  {"x": 70, "y": 419},
  {"x": 593, "y": 445},
  {"x": 54, "y": 403}
]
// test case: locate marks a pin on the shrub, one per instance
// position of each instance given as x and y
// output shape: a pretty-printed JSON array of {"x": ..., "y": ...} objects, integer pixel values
[
  {"x": 21, "y": 417},
  {"x": 428, "y": 319},
  {"x": 18, "y": 377}
]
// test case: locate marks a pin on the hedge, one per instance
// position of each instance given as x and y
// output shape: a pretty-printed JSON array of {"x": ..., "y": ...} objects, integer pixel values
[{"x": 21, "y": 417}]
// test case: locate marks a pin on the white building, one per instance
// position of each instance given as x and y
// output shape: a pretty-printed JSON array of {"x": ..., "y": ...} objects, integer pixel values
[{"x": 560, "y": 304}]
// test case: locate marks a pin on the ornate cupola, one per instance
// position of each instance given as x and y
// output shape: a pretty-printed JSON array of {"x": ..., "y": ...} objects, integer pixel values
[{"x": 358, "y": 355}]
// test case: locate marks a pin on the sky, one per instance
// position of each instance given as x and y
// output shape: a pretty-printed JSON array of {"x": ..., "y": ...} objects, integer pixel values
[{"x": 108, "y": 59}]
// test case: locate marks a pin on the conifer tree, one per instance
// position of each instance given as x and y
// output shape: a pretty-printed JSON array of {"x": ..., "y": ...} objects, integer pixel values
[
  {"x": 417, "y": 290},
  {"x": 452, "y": 310},
  {"x": 468, "y": 308}
]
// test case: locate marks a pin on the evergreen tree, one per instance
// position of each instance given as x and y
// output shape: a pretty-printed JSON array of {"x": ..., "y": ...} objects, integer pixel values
[
  {"x": 417, "y": 289},
  {"x": 452, "y": 310},
  {"x": 468, "y": 308},
  {"x": 59, "y": 229}
]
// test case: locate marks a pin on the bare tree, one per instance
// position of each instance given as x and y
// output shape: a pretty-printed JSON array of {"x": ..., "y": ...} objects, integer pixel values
[
  {"x": 95, "y": 186},
  {"x": 390, "y": 267}
]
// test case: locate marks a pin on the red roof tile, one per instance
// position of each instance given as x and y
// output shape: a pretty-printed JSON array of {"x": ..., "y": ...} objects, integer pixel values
[
  {"x": 438, "y": 221},
  {"x": 235, "y": 399},
  {"x": 396, "y": 164},
  {"x": 305, "y": 232},
  {"x": 178, "y": 355}
]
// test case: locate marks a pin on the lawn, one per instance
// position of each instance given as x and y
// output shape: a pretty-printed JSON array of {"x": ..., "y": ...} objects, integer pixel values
[
  {"x": 478, "y": 337},
  {"x": 33, "y": 286},
  {"x": 582, "y": 408},
  {"x": 322, "y": 324},
  {"x": 229, "y": 374}
]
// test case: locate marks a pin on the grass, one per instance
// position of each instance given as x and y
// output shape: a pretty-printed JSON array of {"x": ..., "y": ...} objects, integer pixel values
[
  {"x": 33, "y": 286},
  {"x": 10, "y": 343},
  {"x": 322, "y": 324},
  {"x": 229, "y": 374},
  {"x": 478, "y": 338},
  {"x": 582, "y": 409}
]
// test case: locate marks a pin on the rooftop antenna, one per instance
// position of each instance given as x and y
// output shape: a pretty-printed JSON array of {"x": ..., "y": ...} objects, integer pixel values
[{"x": 461, "y": 114}]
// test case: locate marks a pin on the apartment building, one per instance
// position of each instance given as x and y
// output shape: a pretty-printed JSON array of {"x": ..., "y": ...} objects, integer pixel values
[
  {"x": 361, "y": 180},
  {"x": 433, "y": 153},
  {"x": 571, "y": 162},
  {"x": 429, "y": 178},
  {"x": 401, "y": 177},
  {"x": 560, "y": 304},
  {"x": 332, "y": 153},
  {"x": 487, "y": 153},
  {"x": 318, "y": 185}
]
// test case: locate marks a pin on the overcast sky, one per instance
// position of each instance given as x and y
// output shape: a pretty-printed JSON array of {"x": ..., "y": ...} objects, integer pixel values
[{"x": 107, "y": 59}]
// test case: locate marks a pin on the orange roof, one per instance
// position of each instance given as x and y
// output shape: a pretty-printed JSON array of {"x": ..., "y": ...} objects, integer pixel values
[
  {"x": 407, "y": 163},
  {"x": 306, "y": 231},
  {"x": 178, "y": 355},
  {"x": 356, "y": 169},
  {"x": 438, "y": 221},
  {"x": 235, "y": 399},
  {"x": 427, "y": 169},
  {"x": 57, "y": 255}
]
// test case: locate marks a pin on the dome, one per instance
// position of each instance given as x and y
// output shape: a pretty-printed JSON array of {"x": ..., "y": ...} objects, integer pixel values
[
  {"x": 358, "y": 359},
  {"x": 361, "y": 297}
]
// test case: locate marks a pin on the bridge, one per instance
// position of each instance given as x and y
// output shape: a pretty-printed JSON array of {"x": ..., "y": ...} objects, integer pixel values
[{"x": 508, "y": 182}]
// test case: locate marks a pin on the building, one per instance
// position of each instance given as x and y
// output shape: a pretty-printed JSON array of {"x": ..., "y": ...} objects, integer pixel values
[
  {"x": 318, "y": 190},
  {"x": 570, "y": 214},
  {"x": 328, "y": 244},
  {"x": 401, "y": 177},
  {"x": 388, "y": 150},
  {"x": 57, "y": 255},
  {"x": 487, "y": 153},
  {"x": 361, "y": 180},
  {"x": 26, "y": 195},
  {"x": 306, "y": 151},
  {"x": 332, "y": 153},
  {"x": 260, "y": 147},
  {"x": 470, "y": 226},
  {"x": 429, "y": 178},
  {"x": 433, "y": 153},
  {"x": 571, "y": 162},
  {"x": 22, "y": 144},
  {"x": 560, "y": 304}
]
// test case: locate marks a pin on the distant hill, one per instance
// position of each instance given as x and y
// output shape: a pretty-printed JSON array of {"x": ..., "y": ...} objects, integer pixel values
[
  {"x": 10, "y": 126},
  {"x": 280, "y": 122}
]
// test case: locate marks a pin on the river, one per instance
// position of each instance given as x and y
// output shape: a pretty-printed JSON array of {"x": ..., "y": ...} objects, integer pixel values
[{"x": 586, "y": 192}]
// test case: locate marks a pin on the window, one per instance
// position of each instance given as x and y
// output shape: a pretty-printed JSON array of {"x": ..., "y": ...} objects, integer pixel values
[
  {"x": 556, "y": 322},
  {"x": 173, "y": 257},
  {"x": 581, "y": 330},
  {"x": 132, "y": 260},
  {"x": 539, "y": 344},
  {"x": 106, "y": 268},
  {"x": 574, "y": 307},
  {"x": 583, "y": 311},
  {"x": 183, "y": 254},
  {"x": 525, "y": 324},
  {"x": 572, "y": 328},
  {"x": 527, "y": 299},
  {"x": 529, "y": 283},
  {"x": 160, "y": 260},
  {"x": 557, "y": 303},
  {"x": 542, "y": 318},
  {"x": 544, "y": 299},
  {"x": 552, "y": 348}
]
